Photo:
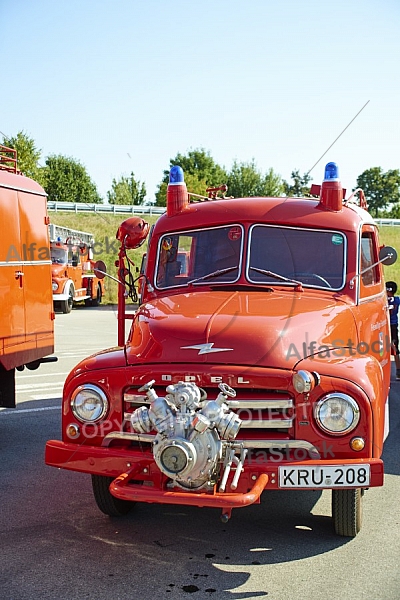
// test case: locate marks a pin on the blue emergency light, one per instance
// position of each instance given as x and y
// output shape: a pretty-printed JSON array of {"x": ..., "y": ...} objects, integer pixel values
[
  {"x": 176, "y": 175},
  {"x": 331, "y": 172}
]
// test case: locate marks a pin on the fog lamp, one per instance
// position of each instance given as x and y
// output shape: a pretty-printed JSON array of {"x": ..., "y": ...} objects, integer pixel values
[
  {"x": 72, "y": 431},
  {"x": 357, "y": 444},
  {"x": 303, "y": 382}
]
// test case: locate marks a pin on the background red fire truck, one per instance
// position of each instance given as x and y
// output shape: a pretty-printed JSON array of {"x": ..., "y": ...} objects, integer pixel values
[
  {"x": 73, "y": 278},
  {"x": 27, "y": 317},
  {"x": 259, "y": 358}
]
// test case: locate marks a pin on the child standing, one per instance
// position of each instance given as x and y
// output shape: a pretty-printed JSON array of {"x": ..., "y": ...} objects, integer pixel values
[{"x": 394, "y": 303}]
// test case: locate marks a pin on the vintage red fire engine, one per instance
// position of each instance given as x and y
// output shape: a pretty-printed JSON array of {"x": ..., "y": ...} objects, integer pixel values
[
  {"x": 72, "y": 264},
  {"x": 259, "y": 358}
]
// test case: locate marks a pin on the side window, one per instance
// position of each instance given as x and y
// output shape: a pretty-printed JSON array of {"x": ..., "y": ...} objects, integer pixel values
[{"x": 369, "y": 274}]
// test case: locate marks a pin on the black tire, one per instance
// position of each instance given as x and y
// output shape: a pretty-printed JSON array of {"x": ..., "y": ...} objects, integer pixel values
[
  {"x": 347, "y": 511},
  {"x": 66, "y": 305},
  {"x": 96, "y": 301},
  {"x": 107, "y": 503}
]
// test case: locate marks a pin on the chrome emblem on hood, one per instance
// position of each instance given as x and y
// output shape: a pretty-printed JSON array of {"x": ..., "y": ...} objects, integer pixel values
[{"x": 205, "y": 348}]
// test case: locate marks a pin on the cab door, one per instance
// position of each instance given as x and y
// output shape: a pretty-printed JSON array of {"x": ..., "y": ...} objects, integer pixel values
[{"x": 373, "y": 314}]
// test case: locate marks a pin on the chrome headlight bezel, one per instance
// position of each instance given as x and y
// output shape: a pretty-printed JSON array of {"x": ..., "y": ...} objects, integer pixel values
[
  {"x": 343, "y": 399},
  {"x": 81, "y": 395}
]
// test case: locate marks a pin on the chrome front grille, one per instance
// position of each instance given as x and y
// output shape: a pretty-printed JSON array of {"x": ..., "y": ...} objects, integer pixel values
[
  {"x": 267, "y": 421},
  {"x": 258, "y": 409}
]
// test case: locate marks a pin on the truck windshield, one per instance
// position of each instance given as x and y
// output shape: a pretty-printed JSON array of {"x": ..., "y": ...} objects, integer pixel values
[
  {"x": 197, "y": 257},
  {"x": 277, "y": 255},
  {"x": 59, "y": 256},
  {"x": 315, "y": 258}
]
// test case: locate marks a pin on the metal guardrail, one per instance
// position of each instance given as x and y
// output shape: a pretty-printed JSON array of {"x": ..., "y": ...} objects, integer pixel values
[
  {"x": 391, "y": 222},
  {"x": 113, "y": 209}
]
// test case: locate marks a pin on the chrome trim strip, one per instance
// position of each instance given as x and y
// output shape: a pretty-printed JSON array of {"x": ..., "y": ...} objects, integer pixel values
[
  {"x": 282, "y": 445},
  {"x": 131, "y": 437},
  {"x": 250, "y": 444},
  {"x": 138, "y": 402},
  {"x": 260, "y": 404},
  {"x": 267, "y": 424}
]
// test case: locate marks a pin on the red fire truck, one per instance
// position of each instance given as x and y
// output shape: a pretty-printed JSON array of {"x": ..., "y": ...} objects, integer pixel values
[
  {"x": 260, "y": 362},
  {"x": 73, "y": 278},
  {"x": 27, "y": 317}
]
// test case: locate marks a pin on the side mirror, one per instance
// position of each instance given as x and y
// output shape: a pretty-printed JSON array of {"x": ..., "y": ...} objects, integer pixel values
[
  {"x": 100, "y": 269},
  {"x": 387, "y": 255},
  {"x": 133, "y": 232}
]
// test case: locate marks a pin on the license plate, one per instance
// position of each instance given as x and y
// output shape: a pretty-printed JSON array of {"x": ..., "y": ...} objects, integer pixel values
[{"x": 338, "y": 476}]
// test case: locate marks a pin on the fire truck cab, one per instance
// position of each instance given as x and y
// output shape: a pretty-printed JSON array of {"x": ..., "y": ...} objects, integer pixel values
[
  {"x": 27, "y": 317},
  {"x": 259, "y": 358},
  {"x": 73, "y": 277}
]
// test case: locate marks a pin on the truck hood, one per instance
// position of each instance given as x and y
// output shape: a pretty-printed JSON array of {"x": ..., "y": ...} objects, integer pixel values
[{"x": 268, "y": 329}]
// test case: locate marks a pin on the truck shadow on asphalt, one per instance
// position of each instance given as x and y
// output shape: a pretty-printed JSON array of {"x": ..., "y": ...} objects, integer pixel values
[{"x": 195, "y": 552}]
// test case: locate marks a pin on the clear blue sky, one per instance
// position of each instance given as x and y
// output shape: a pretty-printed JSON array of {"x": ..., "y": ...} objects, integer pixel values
[{"x": 124, "y": 85}]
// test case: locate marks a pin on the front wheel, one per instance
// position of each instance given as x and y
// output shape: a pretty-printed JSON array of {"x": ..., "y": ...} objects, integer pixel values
[
  {"x": 347, "y": 511},
  {"x": 107, "y": 503},
  {"x": 66, "y": 305},
  {"x": 97, "y": 300}
]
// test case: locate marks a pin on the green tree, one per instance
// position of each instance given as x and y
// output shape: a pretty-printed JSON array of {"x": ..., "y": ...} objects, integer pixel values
[
  {"x": 300, "y": 186},
  {"x": 66, "y": 180},
  {"x": 200, "y": 170},
  {"x": 127, "y": 190},
  {"x": 245, "y": 180},
  {"x": 27, "y": 154},
  {"x": 382, "y": 190}
]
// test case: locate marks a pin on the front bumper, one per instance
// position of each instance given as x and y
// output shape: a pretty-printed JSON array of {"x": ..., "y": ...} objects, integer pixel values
[{"x": 132, "y": 470}]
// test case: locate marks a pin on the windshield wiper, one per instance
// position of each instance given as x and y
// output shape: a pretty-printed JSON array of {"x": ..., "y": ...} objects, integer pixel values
[
  {"x": 213, "y": 274},
  {"x": 298, "y": 284}
]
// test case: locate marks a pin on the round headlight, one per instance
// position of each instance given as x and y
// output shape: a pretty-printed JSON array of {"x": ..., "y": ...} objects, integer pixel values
[
  {"x": 337, "y": 413},
  {"x": 89, "y": 403},
  {"x": 54, "y": 285}
]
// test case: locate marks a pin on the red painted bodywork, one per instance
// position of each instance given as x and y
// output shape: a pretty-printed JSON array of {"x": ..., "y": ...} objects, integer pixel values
[{"x": 261, "y": 338}]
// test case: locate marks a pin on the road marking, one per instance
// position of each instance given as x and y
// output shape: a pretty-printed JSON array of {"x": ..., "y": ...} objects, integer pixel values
[
  {"x": 36, "y": 375},
  {"x": 40, "y": 386},
  {"x": 16, "y": 411},
  {"x": 46, "y": 397},
  {"x": 84, "y": 353}
]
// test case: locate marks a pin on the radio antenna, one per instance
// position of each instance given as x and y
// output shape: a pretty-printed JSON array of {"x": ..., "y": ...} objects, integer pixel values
[{"x": 340, "y": 134}]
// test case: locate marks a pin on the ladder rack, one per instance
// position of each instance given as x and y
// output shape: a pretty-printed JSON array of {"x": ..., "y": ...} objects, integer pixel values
[
  {"x": 61, "y": 234},
  {"x": 8, "y": 159}
]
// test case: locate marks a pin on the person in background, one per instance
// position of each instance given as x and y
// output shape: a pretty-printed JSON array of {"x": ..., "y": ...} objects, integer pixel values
[{"x": 394, "y": 303}]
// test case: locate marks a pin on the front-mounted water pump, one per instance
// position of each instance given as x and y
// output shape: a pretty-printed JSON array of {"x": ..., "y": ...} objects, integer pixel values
[{"x": 194, "y": 437}]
